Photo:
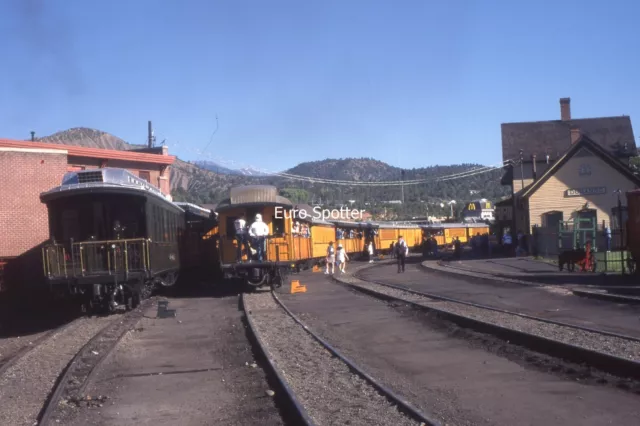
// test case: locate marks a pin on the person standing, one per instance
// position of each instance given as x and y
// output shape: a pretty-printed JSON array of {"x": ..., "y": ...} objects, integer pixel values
[
  {"x": 392, "y": 250},
  {"x": 258, "y": 233},
  {"x": 331, "y": 259},
  {"x": 341, "y": 258},
  {"x": 241, "y": 238},
  {"x": 402, "y": 250},
  {"x": 457, "y": 248},
  {"x": 370, "y": 251}
]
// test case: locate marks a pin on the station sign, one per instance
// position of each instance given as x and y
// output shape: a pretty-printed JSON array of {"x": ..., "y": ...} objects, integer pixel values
[{"x": 581, "y": 192}]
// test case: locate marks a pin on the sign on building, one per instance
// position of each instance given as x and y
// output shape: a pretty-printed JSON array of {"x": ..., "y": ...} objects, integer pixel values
[{"x": 581, "y": 192}]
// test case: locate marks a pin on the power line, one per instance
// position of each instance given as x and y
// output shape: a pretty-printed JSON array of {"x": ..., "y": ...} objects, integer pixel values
[{"x": 309, "y": 179}]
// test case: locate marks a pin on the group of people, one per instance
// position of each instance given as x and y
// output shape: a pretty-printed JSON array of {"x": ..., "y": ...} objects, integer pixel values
[
  {"x": 334, "y": 257},
  {"x": 481, "y": 245},
  {"x": 430, "y": 246},
  {"x": 253, "y": 238},
  {"x": 399, "y": 250},
  {"x": 301, "y": 230}
]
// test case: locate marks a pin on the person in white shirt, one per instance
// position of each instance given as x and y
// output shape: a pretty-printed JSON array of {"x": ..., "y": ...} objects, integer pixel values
[
  {"x": 331, "y": 259},
  {"x": 341, "y": 258},
  {"x": 241, "y": 238},
  {"x": 258, "y": 233},
  {"x": 370, "y": 251}
]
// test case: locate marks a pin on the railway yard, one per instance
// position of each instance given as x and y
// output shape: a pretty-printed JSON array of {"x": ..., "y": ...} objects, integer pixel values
[{"x": 367, "y": 347}]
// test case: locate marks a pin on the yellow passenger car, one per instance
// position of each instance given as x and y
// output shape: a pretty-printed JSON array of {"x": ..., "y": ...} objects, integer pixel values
[
  {"x": 282, "y": 253},
  {"x": 322, "y": 233}
]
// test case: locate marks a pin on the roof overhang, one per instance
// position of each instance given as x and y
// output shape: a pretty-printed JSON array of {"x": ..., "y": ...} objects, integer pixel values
[
  {"x": 74, "y": 190},
  {"x": 583, "y": 142},
  {"x": 103, "y": 154}
]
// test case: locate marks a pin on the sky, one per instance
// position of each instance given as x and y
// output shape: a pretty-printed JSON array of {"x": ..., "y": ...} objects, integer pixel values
[{"x": 411, "y": 83}]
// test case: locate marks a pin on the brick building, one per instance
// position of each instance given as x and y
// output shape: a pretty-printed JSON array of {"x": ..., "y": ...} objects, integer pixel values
[{"x": 29, "y": 168}]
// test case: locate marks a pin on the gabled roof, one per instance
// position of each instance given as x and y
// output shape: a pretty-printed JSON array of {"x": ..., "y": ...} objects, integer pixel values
[
  {"x": 552, "y": 138},
  {"x": 103, "y": 154},
  {"x": 507, "y": 202},
  {"x": 583, "y": 142}
]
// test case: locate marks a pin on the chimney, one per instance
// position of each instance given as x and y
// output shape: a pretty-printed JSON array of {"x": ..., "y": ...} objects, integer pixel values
[
  {"x": 150, "y": 135},
  {"x": 565, "y": 109},
  {"x": 575, "y": 134},
  {"x": 33, "y": 136},
  {"x": 533, "y": 158}
]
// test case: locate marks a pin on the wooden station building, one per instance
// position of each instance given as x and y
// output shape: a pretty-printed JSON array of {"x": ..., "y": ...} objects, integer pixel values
[{"x": 561, "y": 170}]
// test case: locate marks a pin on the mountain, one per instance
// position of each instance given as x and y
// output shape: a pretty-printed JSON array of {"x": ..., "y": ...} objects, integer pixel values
[
  {"x": 83, "y": 136},
  {"x": 215, "y": 167},
  {"x": 205, "y": 182}
]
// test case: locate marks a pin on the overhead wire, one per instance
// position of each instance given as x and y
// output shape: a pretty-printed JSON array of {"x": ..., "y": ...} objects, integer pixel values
[{"x": 311, "y": 179}]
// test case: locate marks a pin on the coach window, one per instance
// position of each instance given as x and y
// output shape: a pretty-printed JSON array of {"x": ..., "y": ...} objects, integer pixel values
[
  {"x": 156, "y": 224},
  {"x": 145, "y": 175},
  {"x": 278, "y": 225},
  {"x": 172, "y": 227},
  {"x": 231, "y": 228},
  {"x": 159, "y": 222},
  {"x": 163, "y": 224}
]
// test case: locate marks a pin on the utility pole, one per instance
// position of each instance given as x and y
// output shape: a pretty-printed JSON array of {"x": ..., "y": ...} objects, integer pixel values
[
  {"x": 402, "y": 188},
  {"x": 522, "y": 169},
  {"x": 620, "y": 227},
  {"x": 150, "y": 135}
]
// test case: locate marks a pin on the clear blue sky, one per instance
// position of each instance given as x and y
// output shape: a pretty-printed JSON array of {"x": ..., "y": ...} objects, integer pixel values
[{"x": 411, "y": 83}]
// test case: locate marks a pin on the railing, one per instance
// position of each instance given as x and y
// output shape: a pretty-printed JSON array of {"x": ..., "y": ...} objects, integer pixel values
[
  {"x": 54, "y": 260},
  {"x": 96, "y": 258}
]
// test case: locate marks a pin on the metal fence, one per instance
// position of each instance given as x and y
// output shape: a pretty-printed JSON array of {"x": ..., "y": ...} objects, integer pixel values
[{"x": 610, "y": 249}]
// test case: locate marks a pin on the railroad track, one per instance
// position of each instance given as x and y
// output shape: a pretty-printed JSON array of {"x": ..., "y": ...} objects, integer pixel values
[
  {"x": 71, "y": 384},
  {"x": 9, "y": 361},
  {"x": 300, "y": 363},
  {"x": 612, "y": 353}
]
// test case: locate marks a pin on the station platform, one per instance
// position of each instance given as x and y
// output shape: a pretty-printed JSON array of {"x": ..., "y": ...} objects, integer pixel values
[{"x": 528, "y": 270}]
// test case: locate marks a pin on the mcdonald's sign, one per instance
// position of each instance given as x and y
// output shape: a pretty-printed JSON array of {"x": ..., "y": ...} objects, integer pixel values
[{"x": 472, "y": 206}]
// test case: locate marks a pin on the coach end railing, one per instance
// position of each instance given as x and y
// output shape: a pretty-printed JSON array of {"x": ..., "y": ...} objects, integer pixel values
[{"x": 96, "y": 258}]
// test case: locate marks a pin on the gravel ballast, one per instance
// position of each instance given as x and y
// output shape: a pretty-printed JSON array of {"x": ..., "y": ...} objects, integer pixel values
[
  {"x": 323, "y": 384},
  {"x": 26, "y": 385},
  {"x": 612, "y": 345}
]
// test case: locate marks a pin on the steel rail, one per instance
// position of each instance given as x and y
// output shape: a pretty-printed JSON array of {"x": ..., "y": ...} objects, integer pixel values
[
  {"x": 618, "y": 366},
  {"x": 300, "y": 411},
  {"x": 405, "y": 406},
  {"x": 62, "y": 382},
  {"x": 491, "y": 308},
  {"x": 22, "y": 352}
]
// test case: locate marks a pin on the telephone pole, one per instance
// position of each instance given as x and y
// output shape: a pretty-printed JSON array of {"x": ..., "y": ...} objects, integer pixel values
[
  {"x": 402, "y": 188},
  {"x": 522, "y": 169}
]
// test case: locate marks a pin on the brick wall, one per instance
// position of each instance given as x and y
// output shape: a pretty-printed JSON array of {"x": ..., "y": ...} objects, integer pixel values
[{"x": 24, "y": 174}]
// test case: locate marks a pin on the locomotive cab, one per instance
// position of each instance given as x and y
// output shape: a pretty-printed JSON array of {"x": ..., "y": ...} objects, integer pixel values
[{"x": 240, "y": 254}]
